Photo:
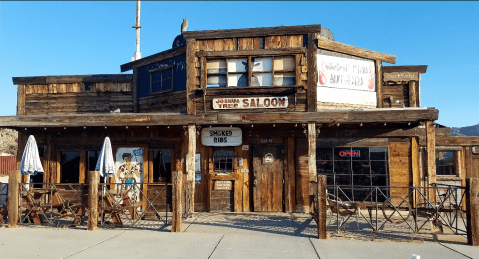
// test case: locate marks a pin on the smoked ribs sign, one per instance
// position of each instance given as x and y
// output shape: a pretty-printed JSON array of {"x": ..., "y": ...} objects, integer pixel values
[
  {"x": 221, "y": 136},
  {"x": 250, "y": 103},
  {"x": 345, "y": 80}
]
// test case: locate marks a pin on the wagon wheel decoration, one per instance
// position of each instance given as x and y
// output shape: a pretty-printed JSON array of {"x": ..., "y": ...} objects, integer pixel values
[{"x": 403, "y": 204}]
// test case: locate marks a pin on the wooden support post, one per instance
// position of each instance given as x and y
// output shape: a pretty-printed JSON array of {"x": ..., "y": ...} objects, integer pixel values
[
  {"x": 412, "y": 94},
  {"x": 321, "y": 205},
  {"x": 94, "y": 178},
  {"x": 472, "y": 212},
  {"x": 312, "y": 63},
  {"x": 431, "y": 156},
  {"x": 191, "y": 162},
  {"x": 177, "y": 180},
  {"x": 416, "y": 179},
  {"x": 190, "y": 76},
  {"x": 14, "y": 180},
  {"x": 312, "y": 151},
  {"x": 379, "y": 83}
]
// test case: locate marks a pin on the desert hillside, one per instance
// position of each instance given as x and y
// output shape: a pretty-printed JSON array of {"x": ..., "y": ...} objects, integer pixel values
[{"x": 8, "y": 141}]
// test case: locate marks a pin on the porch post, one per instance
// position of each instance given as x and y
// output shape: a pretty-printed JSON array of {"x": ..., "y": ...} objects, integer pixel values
[
  {"x": 93, "y": 200},
  {"x": 472, "y": 211},
  {"x": 177, "y": 180},
  {"x": 311, "y": 154},
  {"x": 321, "y": 205},
  {"x": 13, "y": 197},
  {"x": 431, "y": 155},
  {"x": 191, "y": 163}
]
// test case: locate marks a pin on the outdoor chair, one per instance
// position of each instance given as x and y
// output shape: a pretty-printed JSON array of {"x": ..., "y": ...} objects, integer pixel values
[{"x": 336, "y": 205}]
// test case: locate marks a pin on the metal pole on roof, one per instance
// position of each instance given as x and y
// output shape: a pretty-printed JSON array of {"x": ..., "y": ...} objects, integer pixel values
[{"x": 137, "y": 54}]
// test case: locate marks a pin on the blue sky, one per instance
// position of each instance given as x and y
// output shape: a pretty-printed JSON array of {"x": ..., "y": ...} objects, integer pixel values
[{"x": 67, "y": 38}]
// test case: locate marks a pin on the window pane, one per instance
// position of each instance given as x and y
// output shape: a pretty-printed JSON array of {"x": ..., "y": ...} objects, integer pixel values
[
  {"x": 341, "y": 153},
  {"x": 238, "y": 65},
  {"x": 216, "y": 66},
  {"x": 378, "y": 153},
  {"x": 361, "y": 180},
  {"x": 342, "y": 167},
  {"x": 162, "y": 166},
  {"x": 156, "y": 76},
  {"x": 262, "y": 79},
  {"x": 281, "y": 79},
  {"x": 223, "y": 160},
  {"x": 262, "y": 64},
  {"x": 238, "y": 80},
  {"x": 167, "y": 73},
  {"x": 360, "y": 153},
  {"x": 156, "y": 87},
  {"x": 70, "y": 166},
  {"x": 379, "y": 180},
  {"x": 167, "y": 85},
  {"x": 360, "y": 167},
  {"x": 324, "y": 153},
  {"x": 325, "y": 167},
  {"x": 216, "y": 80},
  {"x": 378, "y": 167},
  {"x": 343, "y": 179},
  {"x": 284, "y": 63}
]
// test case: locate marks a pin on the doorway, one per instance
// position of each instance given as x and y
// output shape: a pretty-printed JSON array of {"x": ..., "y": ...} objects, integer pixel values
[{"x": 268, "y": 177}]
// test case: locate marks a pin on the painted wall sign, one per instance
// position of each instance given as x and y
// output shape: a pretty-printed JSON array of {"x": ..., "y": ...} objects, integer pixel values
[
  {"x": 349, "y": 153},
  {"x": 344, "y": 80},
  {"x": 268, "y": 158},
  {"x": 223, "y": 185},
  {"x": 250, "y": 103},
  {"x": 221, "y": 136},
  {"x": 400, "y": 76}
]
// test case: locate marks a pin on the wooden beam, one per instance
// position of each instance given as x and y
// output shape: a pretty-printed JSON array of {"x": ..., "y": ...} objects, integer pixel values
[
  {"x": 134, "y": 89},
  {"x": 21, "y": 100},
  {"x": 190, "y": 76},
  {"x": 177, "y": 181},
  {"x": 416, "y": 178},
  {"x": 355, "y": 51},
  {"x": 255, "y": 52},
  {"x": 321, "y": 205},
  {"x": 94, "y": 178},
  {"x": 83, "y": 165},
  {"x": 418, "y": 69},
  {"x": 458, "y": 141},
  {"x": 379, "y": 83},
  {"x": 290, "y": 199},
  {"x": 167, "y": 54},
  {"x": 412, "y": 94},
  {"x": 13, "y": 197},
  {"x": 431, "y": 153},
  {"x": 472, "y": 212},
  {"x": 253, "y": 32},
  {"x": 69, "y": 79},
  {"x": 312, "y": 63},
  {"x": 191, "y": 160},
  {"x": 312, "y": 151}
]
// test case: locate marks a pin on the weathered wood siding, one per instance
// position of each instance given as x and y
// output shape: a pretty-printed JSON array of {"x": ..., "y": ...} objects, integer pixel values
[
  {"x": 77, "y": 98},
  {"x": 400, "y": 170},
  {"x": 302, "y": 175},
  {"x": 397, "y": 92},
  {"x": 166, "y": 102}
]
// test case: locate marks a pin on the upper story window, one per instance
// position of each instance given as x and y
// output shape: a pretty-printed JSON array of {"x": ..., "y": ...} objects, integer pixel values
[
  {"x": 445, "y": 162},
  {"x": 251, "y": 71},
  {"x": 161, "y": 79}
]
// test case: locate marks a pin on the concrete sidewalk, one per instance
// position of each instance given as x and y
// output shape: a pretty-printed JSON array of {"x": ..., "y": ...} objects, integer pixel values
[{"x": 217, "y": 236}]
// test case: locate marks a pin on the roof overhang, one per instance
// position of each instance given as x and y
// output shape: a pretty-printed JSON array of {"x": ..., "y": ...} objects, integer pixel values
[
  {"x": 148, "y": 119},
  {"x": 71, "y": 79}
]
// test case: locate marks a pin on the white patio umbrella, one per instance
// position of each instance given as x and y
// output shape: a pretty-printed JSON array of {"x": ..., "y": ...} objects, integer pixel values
[
  {"x": 31, "y": 164},
  {"x": 105, "y": 163}
]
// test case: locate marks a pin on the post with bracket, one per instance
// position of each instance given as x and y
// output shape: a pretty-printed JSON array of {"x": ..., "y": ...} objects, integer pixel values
[
  {"x": 94, "y": 180},
  {"x": 13, "y": 198},
  {"x": 472, "y": 211},
  {"x": 321, "y": 206}
]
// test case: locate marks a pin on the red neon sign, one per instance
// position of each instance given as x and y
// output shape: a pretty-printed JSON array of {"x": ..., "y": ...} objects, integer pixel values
[{"x": 349, "y": 153}]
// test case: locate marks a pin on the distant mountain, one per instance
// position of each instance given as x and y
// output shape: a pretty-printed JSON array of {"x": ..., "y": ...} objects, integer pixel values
[{"x": 465, "y": 131}]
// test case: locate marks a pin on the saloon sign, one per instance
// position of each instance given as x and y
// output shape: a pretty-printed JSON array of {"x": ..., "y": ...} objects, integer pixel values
[
  {"x": 250, "y": 103},
  {"x": 221, "y": 136}
]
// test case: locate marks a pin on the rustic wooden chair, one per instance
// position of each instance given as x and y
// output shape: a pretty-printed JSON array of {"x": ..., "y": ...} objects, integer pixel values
[{"x": 336, "y": 205}]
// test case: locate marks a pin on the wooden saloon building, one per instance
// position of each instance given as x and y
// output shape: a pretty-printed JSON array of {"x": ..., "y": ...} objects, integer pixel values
[{"x": 250, "y": 116}]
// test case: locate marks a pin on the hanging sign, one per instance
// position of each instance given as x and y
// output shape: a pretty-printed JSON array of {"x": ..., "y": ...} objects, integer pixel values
[
  {"x": 345, "y": 80},
  {"x": 251, "y": 103},
  {"x": 400, "y": 76},
  {"x": 221, "y": 137},
  {"x": 349, "y": 153}
]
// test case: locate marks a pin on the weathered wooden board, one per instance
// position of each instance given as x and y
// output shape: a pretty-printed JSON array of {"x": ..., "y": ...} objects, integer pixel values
[
  {"x": 268, "y": 177},
  {"x": 400, "y": 168},
  {"x": 253, "y": 32}
]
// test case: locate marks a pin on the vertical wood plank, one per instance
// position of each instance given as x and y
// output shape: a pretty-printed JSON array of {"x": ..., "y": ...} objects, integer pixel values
[
  {"x": 13, "y": 197},
  {"x": 83, "y": 155},
  {"x": 191, "y": 160},
  {"x": 321, "y": 205},
  {"x": 291, "y": 183},
  {"x": 412, "y": 94},
  {"x": 312, "y": 73},
  {"x": 190, "y": 76},
  {"x": 94, "y": 178},
  {"x": 472, "y": 203},
  {"x": 238, "y": 184},
  {"x": 379, "y": 83},
  {"x": 21, "y": 100},
  {"x": 298, "y": 69},
  {"x": 312, "y": 151},
  {"x": 246, "y": 181},
  {"x": 431, "y": 154},
  {"x": 177, "y": 180},
  {"x": 416, "y": 180},
  {"x": 208, "y": 179}
]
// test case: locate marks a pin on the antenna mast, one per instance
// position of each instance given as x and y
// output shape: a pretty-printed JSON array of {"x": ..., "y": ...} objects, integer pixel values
[{"x": 137, "y": 54}]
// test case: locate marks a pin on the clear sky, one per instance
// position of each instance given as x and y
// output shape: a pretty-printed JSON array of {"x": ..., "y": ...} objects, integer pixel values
[{"x": 68, "y": 38}]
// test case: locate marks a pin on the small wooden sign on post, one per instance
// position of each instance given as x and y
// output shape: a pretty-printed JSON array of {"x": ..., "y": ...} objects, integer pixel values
[{"x": 223, "y": 185}]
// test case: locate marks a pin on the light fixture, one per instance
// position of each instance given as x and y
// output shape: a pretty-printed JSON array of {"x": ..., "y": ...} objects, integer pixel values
[
  {"x": 45, "y": 128},
  {"x": 384, "y": 123},
  {"x": 169, "y": 126},
  {"x": 64, "y": 128},
  {"x": 105, "y": 127},
  {"x": 338, "y": 124},
  {"x": 147, "y": 126},
  {"x": 361, "y": 124},
  {"x": 127, "y": 127},
  {"x": 409, "y": 123},
  {"x": 296, "y": 125},
  {"x": 231, "y": 126},
  {"x": 84, "y": 127},
  {"x": 251, "y": 125},
  {"x": 210, "y": 126},
  {"x": 274, "y": 125}
]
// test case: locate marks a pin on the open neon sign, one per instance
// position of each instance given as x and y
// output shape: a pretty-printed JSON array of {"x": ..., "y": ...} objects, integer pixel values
[{"x": 349, "y": 153}]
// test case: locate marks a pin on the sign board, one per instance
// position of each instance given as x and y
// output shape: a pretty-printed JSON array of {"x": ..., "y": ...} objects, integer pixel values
[
  {"x": 223, "y": 185},
  {"x": 221, "y": 137},
  {"x": 251, "y": 103},
  {"x": 349, "y": 153},
  {"x": 345, "y": 80},
  {"x": 245, "y": 170},
  {"x": 400, "y": 76}
]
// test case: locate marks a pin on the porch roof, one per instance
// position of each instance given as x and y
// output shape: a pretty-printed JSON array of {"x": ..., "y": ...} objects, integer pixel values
[{"x": 145, "y": 119}]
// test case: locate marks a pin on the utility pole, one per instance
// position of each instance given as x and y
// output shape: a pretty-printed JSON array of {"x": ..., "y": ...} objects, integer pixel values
[{"x": 137, "y": 54}]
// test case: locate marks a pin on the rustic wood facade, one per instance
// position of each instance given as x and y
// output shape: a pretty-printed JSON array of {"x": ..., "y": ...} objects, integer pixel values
[{"x": 175, "y": 95}]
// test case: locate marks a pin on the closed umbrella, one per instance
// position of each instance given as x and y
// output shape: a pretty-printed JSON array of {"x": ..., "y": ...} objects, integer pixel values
[
  {"x": 105, "y": 163},
  {"x": 31, "y": 164}
]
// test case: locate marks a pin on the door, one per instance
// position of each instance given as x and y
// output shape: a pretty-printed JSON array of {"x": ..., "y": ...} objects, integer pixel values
[{"x": 268, "y": 177}]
